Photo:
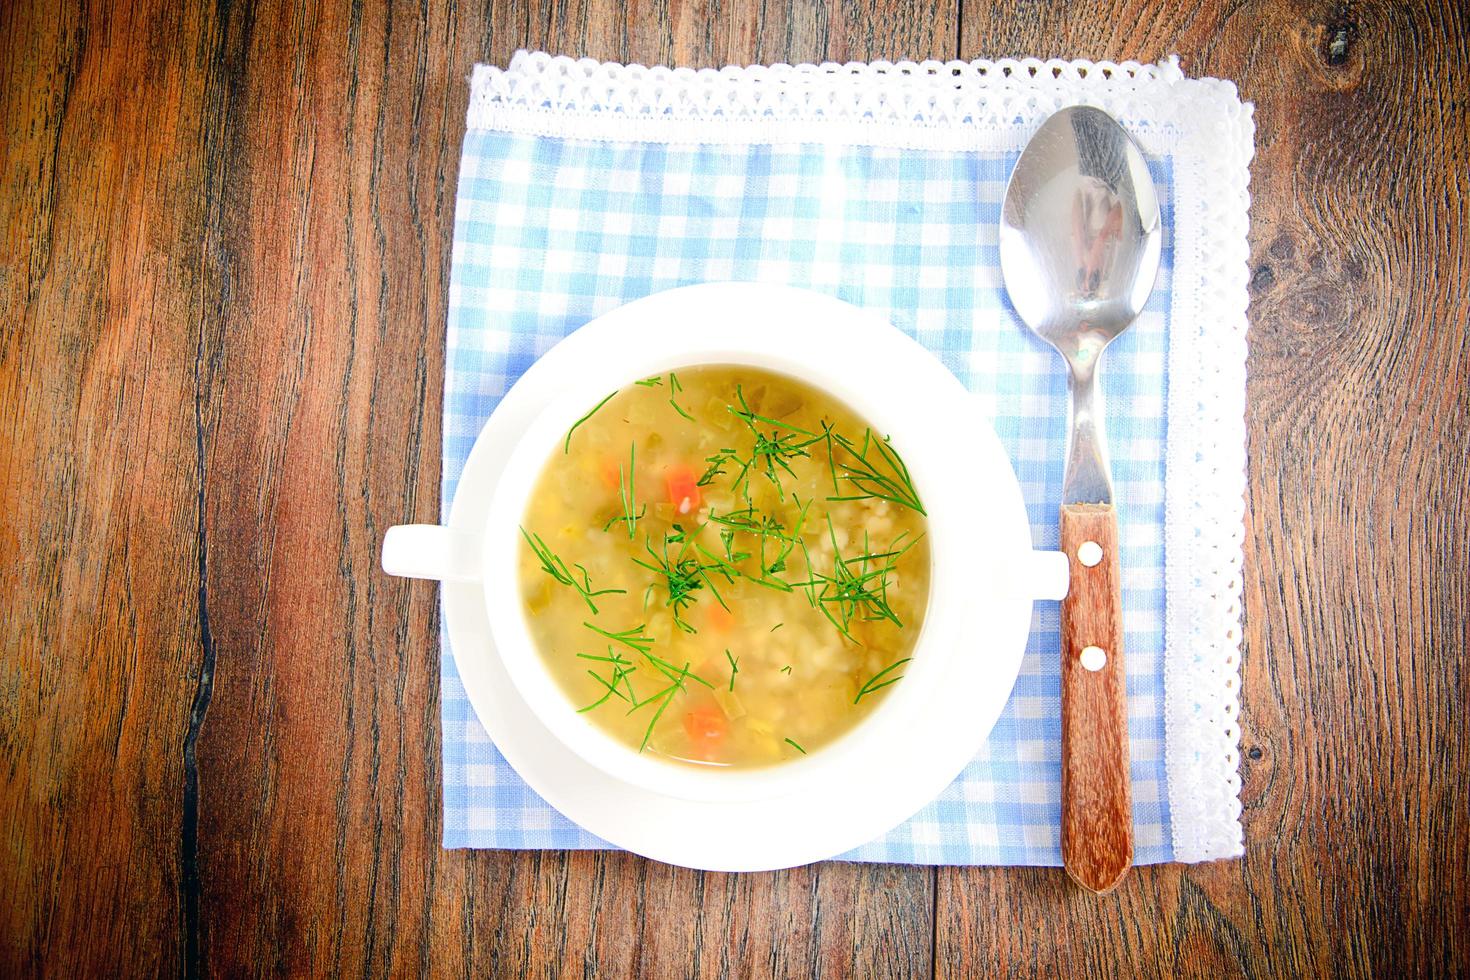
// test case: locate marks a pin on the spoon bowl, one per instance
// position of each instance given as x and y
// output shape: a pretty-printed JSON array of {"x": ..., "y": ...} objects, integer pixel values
[{"x": 1080, "y": 230}]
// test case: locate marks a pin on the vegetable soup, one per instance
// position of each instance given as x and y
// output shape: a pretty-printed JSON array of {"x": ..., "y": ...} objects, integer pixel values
[{"x": 723, "y": 565}]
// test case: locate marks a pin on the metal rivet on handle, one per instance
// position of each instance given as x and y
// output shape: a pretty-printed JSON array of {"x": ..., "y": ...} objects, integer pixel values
[
  {"x": 1094, "y": 658},
  {"x": 1089, "y": 553}
]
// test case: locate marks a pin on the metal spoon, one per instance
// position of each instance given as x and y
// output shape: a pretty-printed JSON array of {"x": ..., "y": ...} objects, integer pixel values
[{"x": 1079, "y": 252}]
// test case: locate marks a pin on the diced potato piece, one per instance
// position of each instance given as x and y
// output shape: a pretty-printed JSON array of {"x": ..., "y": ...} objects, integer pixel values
[{"x": 729, "y": 703}]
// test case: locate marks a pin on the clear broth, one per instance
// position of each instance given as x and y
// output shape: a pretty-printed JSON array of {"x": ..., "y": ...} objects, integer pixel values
[{"x": 739, "y": 639}]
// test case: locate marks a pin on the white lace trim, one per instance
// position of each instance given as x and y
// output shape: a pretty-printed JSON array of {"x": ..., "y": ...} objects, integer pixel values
[
  {"x": 995, "y": 105},
  {"x": 929, "y": 104},
  {"x": 1204, "y": 503}
]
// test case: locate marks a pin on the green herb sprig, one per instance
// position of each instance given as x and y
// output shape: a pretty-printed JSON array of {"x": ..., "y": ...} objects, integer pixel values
[
  {"x": 683, "y": 576},
  {"x": 857, "y": 588},
  {"x": 873, "y": 470},
  {"x": 634, "y": 639},
  {"x": 567, "y": 446},
  {"x": 669, "y": 670},
  {"x": 676, "y": 388},
  {"x": 627, "y": 496},
  {"x": 717, "y": 464},
  {"x": 873, "y": 684},
  {"x": 771, "y": 453},
  {"x": 662, "y": 698},
  {"x": 731, "y": 570},
  {"x": 766, "y": 528},
  {"x": 622, "y": 668},
  {"x": 552, "y": 565},
  {"x": 676, "y": 677}
]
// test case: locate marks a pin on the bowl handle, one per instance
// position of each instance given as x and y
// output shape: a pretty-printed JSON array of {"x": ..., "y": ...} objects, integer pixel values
[
  {"x": 1036, "y": 575},
  {"x": 431, "y": 551}
]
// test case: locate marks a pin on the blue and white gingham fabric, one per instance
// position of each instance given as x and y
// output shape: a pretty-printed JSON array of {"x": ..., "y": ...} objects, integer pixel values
[{"x": 551, "y": 232}]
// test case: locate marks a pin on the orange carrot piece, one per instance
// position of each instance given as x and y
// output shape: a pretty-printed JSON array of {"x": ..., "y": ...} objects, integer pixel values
[
  {"x": 718, "y": 618},
  {"x": 683, "y": 489},
  {"x": 706, "y": 727},
  {"x": 609, "y": 472}
]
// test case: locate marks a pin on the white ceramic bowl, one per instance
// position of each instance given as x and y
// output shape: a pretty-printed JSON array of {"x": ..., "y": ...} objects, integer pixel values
[{"x": 981, "y": 555}]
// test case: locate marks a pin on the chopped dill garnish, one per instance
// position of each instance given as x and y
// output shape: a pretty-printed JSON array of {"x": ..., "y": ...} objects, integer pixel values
[
  {"x": 777, "y": 626},
  {"x": 786, "y": 669},
  {"x": 766, "y": 528},
  {"x": 749, "y": 416},
  {"x": 652, "y": 382},
  {"x": 882, "y": 478},
  {"x": 682, "y": 576},
  {"x": 627, "y": 498},
  {"x": 771, "y": 454},
  {"x": 677, "y": 388},
  {"x": 621, "y": 669},
  {"x": 611, "y": 658},
  {"x": 664, "y": 697},
  {"x": 810, "y": 584},
  {"x": 771, "y": 528},
  {"x": 831, "y": 456},
  {"x": 872, "y": 685},
  {"x": 611, "y": 689},
  {"x": 669, "y": 670},
  {"x": 737, "y": 520},
  {"x": 716, "y": 466},
  {"x": 795, "y": 746},
  {"x": 731, "y": 571},
  {"x": 634, "y": 639},
  {"x": 552, "y": 565},
  {"x": 857, "y": 587},
  {"x": 734, "y": 669},
  {"x": 727, "y": 538},
  {"x": 567, "y": 446}
]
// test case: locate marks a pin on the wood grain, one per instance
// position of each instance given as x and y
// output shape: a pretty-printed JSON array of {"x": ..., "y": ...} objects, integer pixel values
[
  {"x": 102, "y": 284},
  {"x": 222, "y": 289},
  {"x": 1097, "y": 794}
]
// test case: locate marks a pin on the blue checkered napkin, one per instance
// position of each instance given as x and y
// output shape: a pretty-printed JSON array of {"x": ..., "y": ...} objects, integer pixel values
[{"x": 552, "y": 231}]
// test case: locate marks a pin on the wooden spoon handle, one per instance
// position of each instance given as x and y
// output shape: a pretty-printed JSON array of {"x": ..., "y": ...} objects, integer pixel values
[{"x": 1097, "y": 809}]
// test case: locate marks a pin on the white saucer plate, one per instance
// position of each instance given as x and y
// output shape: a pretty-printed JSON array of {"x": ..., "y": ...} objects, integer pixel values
[{"x": 909, "y": 768}]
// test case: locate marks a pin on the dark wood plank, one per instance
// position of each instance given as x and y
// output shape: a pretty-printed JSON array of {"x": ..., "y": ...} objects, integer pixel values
[
  {"x": 705, "y": 34},
  {"x": 318, "y": 760},
  {"x": 1357, "y": 574},
  {"x": 559, "y": 914},
  {"x": 102, "y": 288}
]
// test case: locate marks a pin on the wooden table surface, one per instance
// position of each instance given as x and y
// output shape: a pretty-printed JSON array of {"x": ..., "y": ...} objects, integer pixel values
[{"x": 223, "y": 280}]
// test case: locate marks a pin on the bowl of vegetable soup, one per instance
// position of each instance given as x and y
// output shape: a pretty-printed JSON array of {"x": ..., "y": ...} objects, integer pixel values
[{"x": 738, "y": 553}]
